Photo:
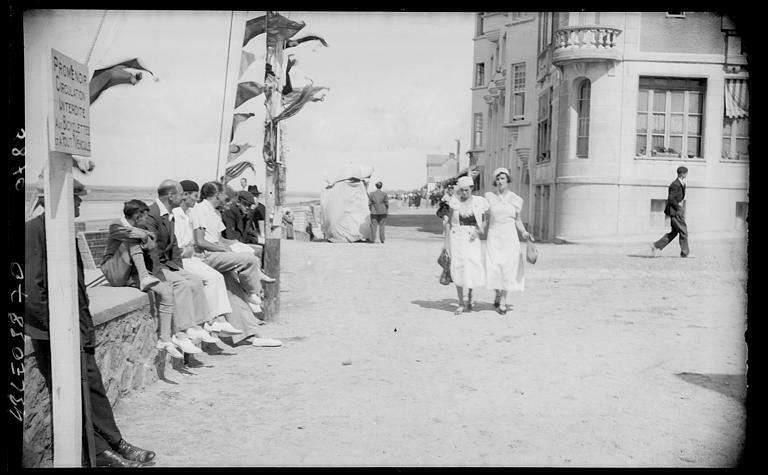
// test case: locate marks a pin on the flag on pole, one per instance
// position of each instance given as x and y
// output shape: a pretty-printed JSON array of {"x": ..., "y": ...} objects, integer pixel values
[
  {"x": 237, "y": 119},
  {"x": 288, "y": 88},
  {"x": 235, "y": 151},
  {"x": 304, "y": 39},
  {"x": 295, "y": 106},
  {"x": 236, "y": 170},
  {"x": 280, "y": 28},
  {"x": 247, "y": 91},
  {"x": 113, "y": 75},
  {"x": 246, "y": 59},
  {"x": 254, "y": 27},
  {"x": 317, "y": 95}
]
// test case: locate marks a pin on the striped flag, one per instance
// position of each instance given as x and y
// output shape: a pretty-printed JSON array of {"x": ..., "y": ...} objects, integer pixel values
[
  {"x": 236, "y": 170},
  {"x": 295, "y": 106},
  {"x": 235, "y": 151},
  {"x": 317, "y": 95},
  {"x": 237, "y": 119},
  {"x": 247, "y": 91}
]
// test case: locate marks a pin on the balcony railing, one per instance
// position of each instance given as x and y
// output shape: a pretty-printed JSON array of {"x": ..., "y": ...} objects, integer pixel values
[{"x": 586, "y": 43}]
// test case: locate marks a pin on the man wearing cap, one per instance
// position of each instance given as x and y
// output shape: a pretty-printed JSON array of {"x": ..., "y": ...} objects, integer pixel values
[
  {"x": 378, "y": 202},
  {"x": 239, "y": 226},
  {"x": 258, "y": 213},
  {"x": 110, "y": 447},
  {"x": 675, "y": 209}
]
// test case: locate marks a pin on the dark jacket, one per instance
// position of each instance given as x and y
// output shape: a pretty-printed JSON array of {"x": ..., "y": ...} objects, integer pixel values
[
  {"x": 36, "y": 287},
  {"x": 166, "y": 253},
  {"x": 258, "y": 214},
  {"x": 675, "y": 197},
  {"x": 239, "y": 225}
]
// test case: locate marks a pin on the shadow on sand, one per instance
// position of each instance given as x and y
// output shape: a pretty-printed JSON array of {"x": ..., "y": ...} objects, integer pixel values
[
  {"x": 450, "y": 305},
  {"x": 424, "y": 223},
  {"x": 730, "y": 385}
]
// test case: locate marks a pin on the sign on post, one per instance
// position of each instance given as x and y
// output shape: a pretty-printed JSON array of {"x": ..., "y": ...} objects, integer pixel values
[
  {"x": 70, "y": 130},
  {"x": 68, "y": 133}
]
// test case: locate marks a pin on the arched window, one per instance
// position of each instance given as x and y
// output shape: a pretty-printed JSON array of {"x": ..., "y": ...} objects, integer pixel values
[{"x": 582, "y": 127}]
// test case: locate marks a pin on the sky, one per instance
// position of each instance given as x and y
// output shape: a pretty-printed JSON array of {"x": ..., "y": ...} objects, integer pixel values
[{"x": 399, "y": 90}]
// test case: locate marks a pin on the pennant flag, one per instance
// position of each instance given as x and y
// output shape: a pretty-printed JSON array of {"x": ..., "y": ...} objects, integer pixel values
[
  {"x": 269, "y": 139},
  {"x": 294, "y": 107},
  {"x": 247, "y": 91},
  {"x": 304, "y": 39},
  {"x": 254, "y": 27},
  {"x": 246, "y": 59},
  {"x": 236, "y": 150},
  {"x": 288, "y": 88},
  {"x": 236, "y": 170},
  {"x": 113, "y": 75},
  {"x": 280, "y": 28},
  {"x": 317, "y": 94},
  {"x": 236, "y": 120}
]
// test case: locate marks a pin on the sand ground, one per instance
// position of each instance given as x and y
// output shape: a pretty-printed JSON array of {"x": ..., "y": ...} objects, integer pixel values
[{"x": 609, "y": 358}]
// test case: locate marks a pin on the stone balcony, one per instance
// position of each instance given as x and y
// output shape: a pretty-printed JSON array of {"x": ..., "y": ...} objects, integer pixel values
[{"x": 586, "y": 43}]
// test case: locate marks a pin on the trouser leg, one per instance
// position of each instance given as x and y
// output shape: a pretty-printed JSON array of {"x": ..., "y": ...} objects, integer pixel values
[
  {"x": 105, "y": 431},
  {"x": 165, "y": 308},
  {"x": 183, "y": 301},
  {"x": 665, "y": 239},
  {"x": 247, "y": 266},
  {"x": 137, "y": 256},
  {"x": 678, "y": 224},
  {"x": 382, "y": 226}
]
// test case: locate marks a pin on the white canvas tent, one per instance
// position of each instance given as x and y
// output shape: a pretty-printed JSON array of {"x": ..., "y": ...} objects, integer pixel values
[{"x": 346, "y": 216}]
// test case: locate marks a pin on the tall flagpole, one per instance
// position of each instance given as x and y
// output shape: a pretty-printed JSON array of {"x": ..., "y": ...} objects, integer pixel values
[{"x": 224, "y": 96}]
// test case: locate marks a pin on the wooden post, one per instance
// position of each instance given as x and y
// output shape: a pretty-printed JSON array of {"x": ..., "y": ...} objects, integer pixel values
[
  {"x": 68, "y": 133},
  {"x": 64, "y": 312}
]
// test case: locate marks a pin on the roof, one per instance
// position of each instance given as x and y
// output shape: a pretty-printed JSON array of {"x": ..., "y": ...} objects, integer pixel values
[{"x": 438, "y": 160}]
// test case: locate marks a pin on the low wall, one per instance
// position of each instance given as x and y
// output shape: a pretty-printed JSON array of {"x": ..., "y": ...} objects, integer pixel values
[{"x": 126, "y": 334}]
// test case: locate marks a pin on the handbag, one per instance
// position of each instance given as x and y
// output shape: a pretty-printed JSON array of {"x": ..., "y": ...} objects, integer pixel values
[
  {"x": 445, "y": 262},
  {"x": 531, "y": 254}
]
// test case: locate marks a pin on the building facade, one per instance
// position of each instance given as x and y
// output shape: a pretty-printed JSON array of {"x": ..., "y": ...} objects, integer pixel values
[
  {"x": 594, "y": 111},
  {"x": 441, "y": 168}
]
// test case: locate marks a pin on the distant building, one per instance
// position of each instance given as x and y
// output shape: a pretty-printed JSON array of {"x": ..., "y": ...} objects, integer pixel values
[
  {"x": 594, "y": 111},
  {"x": 440, "y": 168}
]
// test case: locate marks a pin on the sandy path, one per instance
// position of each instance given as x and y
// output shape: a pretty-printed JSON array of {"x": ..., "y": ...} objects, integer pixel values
[{"x": 608, "y": 359}]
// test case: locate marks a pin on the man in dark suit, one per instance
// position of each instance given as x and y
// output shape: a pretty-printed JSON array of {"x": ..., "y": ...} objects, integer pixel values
[
  {"x": 675, "y": 209},
  {"x": 378, "y": 202},
  {"x": 237, "y": 219},
  {"x": 111, "y": 450},
  {"x": 190, "y": 307}
]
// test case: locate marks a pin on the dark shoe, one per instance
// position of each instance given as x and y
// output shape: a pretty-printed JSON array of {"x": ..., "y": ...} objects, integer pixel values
[
  {"x": 131, "y": 452},
  {"x": 111, "y": 459}
]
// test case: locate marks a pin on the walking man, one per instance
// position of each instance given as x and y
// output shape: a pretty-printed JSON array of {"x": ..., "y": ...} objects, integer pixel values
[
  {"x": 676, "y": 212},
  {"x": 378, "y": 202}
]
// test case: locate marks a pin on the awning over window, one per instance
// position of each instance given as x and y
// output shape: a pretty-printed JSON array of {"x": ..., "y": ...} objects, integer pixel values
[{"x": 736, "y": 98}]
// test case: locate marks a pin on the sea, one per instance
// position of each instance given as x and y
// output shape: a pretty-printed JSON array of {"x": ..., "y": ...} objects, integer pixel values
[{"x": 104, "y": 204}]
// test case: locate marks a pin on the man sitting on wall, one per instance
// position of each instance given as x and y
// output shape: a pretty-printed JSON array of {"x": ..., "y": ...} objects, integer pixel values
[
  {"x": 110, "y": 447},
  {"x": 237, "y": 220}
]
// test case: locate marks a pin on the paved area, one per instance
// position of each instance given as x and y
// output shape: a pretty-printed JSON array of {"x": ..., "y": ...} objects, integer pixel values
[{"x": 609, "y": 358}]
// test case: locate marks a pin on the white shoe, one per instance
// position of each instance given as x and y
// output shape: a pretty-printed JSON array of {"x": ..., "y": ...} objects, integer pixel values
[
  {"x": 255, "y": 308},
  {"x": 225, "y": 327},
  {"x": 186, "y": 345},
  {"x": 169, "y": 348},
  {"x": 655, "y": 251},
  {"x": 266, "y": 342},
  {"x": 197, "y": 333}
]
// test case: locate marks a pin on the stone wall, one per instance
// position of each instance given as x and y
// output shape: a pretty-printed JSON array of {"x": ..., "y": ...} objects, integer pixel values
[{"x": 126, "y": 334}]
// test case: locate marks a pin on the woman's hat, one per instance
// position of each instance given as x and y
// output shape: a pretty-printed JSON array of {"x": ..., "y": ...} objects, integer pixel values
[
  {"x": 465, "y": 181},
  {"x": 501, "y": 170}
]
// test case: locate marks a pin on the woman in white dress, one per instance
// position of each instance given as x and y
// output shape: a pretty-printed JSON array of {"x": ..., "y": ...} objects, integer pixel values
[
  {"x": 462, "y": 230},
  {"x": 504, "y": 262}
]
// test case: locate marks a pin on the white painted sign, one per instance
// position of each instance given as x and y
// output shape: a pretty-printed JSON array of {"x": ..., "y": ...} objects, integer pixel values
[{"x": 69, "y": 130}]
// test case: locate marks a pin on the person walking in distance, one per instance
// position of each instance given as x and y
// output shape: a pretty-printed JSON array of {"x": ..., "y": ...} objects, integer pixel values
[
  {"x": 675, "y": 209},
  {"x": 378, "y": 203}
]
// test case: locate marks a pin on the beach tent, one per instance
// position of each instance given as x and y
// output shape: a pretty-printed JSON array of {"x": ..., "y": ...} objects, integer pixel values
[{"x": 346, "y": 216}]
